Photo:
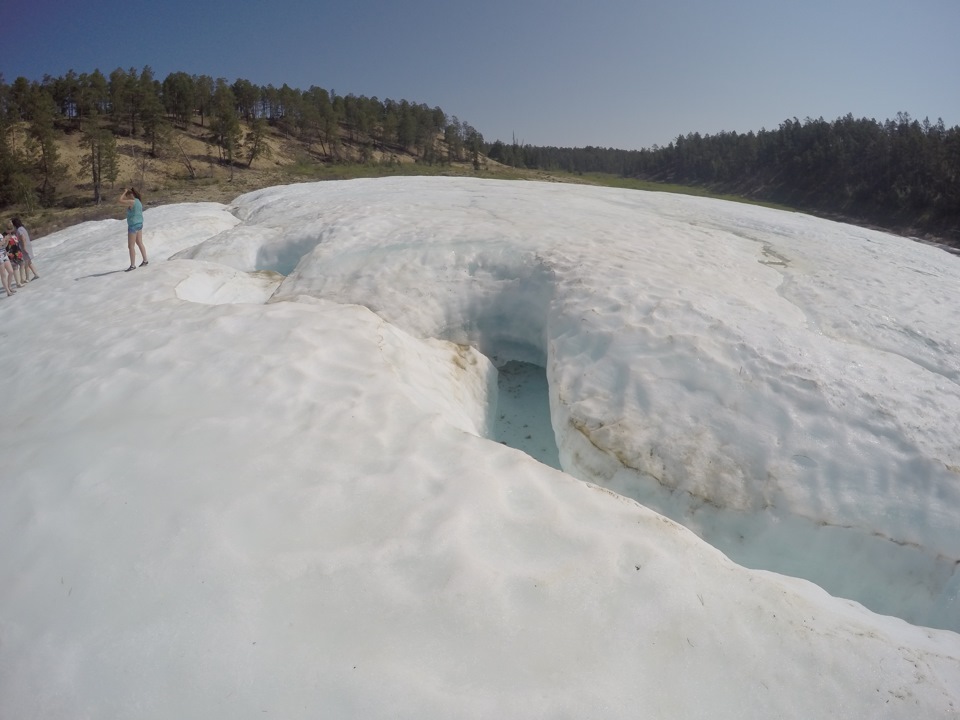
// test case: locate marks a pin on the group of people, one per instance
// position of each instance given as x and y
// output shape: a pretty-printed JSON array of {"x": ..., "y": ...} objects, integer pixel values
[
  {"x": 16, "y": 257},
  {"x": 16, "y": 249}
]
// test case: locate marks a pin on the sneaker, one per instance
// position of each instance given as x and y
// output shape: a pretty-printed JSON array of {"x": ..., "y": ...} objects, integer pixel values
[
  {"x": 144, "y": 263},
  {"x": 132, "y": 267}
]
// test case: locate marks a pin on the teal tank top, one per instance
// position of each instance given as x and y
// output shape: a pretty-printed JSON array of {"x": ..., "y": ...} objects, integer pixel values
[{"x": 135, "y": 213}]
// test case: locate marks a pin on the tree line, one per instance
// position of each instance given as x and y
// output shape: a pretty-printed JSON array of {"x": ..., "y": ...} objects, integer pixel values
[
  {"x": 132, "y": 103},
  {"x": 901, "y": 173}
]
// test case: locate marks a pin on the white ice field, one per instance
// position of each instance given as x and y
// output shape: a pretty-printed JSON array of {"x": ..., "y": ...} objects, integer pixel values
[{"x": 266, "y": 475}]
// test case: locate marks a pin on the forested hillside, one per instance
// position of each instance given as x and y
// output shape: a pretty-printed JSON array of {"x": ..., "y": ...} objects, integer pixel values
[
  {"x": 118, "y": 124},
  {"x": 67, "y": 141},
  {"x": 900, "y": 174}
]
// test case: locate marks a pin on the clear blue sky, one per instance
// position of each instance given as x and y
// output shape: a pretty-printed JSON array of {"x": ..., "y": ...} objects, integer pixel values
[{"x": 612, "y": 73}]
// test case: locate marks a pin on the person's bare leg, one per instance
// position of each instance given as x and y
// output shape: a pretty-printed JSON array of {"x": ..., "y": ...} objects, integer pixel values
[
  {"x": 143, "y": 250},
  {"x": 131, "y": 246},
  {"x": 5, "y": 277}
]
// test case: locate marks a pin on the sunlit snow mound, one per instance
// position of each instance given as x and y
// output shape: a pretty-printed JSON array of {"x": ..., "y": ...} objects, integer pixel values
[
  {"x": 256, "y": 478},
  {"x": 789, "y": 388}
]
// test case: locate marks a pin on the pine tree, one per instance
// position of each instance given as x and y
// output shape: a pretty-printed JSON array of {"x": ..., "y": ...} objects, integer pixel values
[
  {"x": 179, "y": 97},
  {"x": 256, "y": 142},
  {"x": 247, "y": 95},
  {"x": 43, "y": 143},
  {"x": 151, "y": 110},
  {"x": 16, "y": 187},
  {"x": 203, "y": 96},
  {"x": 101, "y": 162},
  {"x": 121, "y": 101},
  {"x": 225, "y": 123}
]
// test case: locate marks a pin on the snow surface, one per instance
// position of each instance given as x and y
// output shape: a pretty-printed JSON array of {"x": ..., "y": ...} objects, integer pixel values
[{"x": 262, "y": 476}]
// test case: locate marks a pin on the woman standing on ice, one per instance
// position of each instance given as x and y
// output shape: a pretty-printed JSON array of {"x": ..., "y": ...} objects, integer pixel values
[
  {"x": 26, "y": 247},
  {"x": 131, "y": 198}
]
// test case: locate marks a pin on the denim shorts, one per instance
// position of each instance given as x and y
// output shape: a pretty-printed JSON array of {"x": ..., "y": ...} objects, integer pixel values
[{"x": 134, "y": 228}]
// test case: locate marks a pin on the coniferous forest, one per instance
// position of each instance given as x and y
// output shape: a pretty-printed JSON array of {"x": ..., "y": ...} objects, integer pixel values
[
  {"x": 900, "y": 174},
  {"x": 237, "y": 117}
]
